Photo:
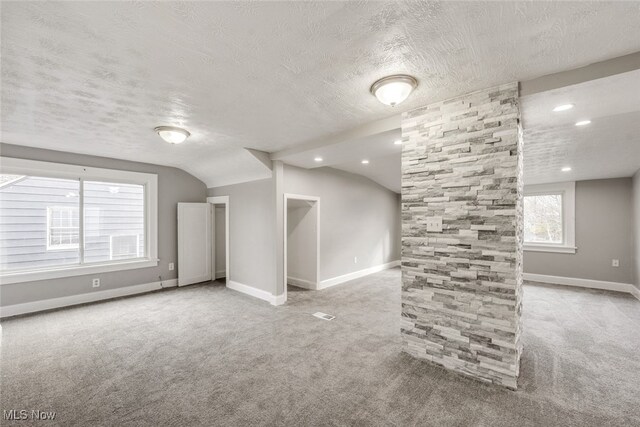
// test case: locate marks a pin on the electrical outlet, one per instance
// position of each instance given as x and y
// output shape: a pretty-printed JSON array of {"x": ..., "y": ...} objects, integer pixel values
[
  {"x": 434, "y": 224},
  {"x": 615, "y": 263},
  {"x": 95, "y": 283},
  {"x": 355, "y": 259},
  {"x": 171, "y": 266}
]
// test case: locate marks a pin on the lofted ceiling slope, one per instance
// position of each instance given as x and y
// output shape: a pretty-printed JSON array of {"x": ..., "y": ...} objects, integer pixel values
[{"x": 97, "y": 77}]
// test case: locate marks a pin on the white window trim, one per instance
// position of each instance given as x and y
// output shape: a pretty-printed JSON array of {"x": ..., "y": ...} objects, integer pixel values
[
  {"x": 15, "y": 166},
  {"x": 568, "y": 191}
]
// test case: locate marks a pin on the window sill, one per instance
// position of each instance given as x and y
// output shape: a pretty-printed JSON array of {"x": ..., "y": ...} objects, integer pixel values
[
  {"x": 550, "y": 248},
  {"x": 76, "y": 270}
]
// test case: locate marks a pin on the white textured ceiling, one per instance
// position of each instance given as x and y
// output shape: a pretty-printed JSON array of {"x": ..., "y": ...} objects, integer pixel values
[
  {"x": 609, "y": 147},
  {"x": 383, "y": 155},
  {"x": 96, "y": 77}
]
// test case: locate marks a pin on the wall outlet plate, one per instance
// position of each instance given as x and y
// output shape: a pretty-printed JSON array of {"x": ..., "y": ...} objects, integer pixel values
[
  {"x": 615, "y": 263},
  {"x": 434, "y": 224},
  {"x": 95, "y": 283},
  {"x": 171, "y": 266}
]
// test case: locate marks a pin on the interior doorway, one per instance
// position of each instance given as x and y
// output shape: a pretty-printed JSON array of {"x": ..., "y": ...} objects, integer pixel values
[
  {"x": 220, "y": 244},
  {"x": 301, "y": 242}
]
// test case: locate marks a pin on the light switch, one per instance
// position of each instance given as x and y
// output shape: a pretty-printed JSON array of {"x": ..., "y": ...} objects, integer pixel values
[{"x": 434, "y": 224}]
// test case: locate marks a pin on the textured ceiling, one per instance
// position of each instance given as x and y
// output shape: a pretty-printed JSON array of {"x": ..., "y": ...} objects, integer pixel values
[
  {"x": 96, "y": 77},
  {"x": 383, "y": 155},
  {"x": 609, "y": 147}
]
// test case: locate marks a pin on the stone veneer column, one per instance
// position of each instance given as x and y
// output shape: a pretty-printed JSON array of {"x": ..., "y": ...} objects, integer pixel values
[{"x": 462, "y": 287}]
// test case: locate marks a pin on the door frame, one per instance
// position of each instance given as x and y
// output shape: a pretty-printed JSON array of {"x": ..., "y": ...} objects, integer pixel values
[
  {"x": 221, "y": 200},
  {"x": 316, "y": 200}
]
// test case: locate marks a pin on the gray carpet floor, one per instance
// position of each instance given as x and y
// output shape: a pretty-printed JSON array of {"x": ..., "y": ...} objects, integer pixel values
[{"x": 206, "y": 355}]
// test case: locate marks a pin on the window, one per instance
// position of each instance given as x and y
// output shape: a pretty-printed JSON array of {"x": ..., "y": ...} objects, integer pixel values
[
  {"x": 113, "y": 213},
  {"x": 63, "y": 228},
  {"x": 65, "y": 220},
  {"x": 549, "y": 217}
]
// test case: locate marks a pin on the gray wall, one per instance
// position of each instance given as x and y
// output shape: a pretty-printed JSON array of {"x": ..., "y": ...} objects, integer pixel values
[
  {"x": 604, "y": 227},
  {"x": 358, "y": 218},
  {"x": 174, "y": 185},
  {"x": 636, "y": 220},
  {"x": 251, "y": 233}
]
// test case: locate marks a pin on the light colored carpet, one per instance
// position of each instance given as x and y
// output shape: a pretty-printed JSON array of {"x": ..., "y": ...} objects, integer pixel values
[{"x": 205, "y": 355}]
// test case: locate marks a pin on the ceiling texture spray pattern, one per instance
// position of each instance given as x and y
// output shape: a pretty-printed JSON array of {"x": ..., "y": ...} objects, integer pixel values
[{"x": 97, "y": 77}]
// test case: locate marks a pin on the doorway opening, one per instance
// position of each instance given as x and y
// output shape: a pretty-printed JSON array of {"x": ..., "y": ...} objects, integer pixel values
[
  {"x": 220, "y": 243},
  {"x": 301, "y": 243}
]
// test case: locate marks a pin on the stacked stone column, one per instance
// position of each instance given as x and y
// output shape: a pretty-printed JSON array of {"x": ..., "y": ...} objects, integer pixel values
[{"x": 462, "y": 287}]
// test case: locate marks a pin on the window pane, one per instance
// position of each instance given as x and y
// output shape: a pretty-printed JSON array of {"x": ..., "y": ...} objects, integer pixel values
[
  {"x": 113, "y": 221},
  {"x": 33, "y": 233},
  {"x": 543, "y": 219}
]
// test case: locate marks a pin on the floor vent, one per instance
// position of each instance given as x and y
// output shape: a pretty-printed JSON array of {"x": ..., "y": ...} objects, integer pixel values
[{"x": 323, "y": 316}]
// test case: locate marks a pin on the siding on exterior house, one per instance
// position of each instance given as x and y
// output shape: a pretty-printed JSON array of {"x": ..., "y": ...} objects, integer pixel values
[{"x": 110, "y": 210}]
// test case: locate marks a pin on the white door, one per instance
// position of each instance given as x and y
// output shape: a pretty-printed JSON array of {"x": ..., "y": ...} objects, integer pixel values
[{"x": 194, "y": 243}]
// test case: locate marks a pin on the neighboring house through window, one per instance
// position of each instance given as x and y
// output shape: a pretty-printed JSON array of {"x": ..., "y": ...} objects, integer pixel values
[
  {"x": 65, "y": 220},
  {"x": 549, "y": 217}
]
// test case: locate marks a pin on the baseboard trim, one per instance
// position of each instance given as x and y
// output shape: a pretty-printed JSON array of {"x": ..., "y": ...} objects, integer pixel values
[
  {"x": 357, "y": 274},
  {"x": 255, "y": 292},
  {"x": 220, "y": 274},
  {"x": 581, "y": 283},
  {"x": 635, "y": 292},
  {"x": 54, "y": 303},
  {"x": 302, "y": 283}
]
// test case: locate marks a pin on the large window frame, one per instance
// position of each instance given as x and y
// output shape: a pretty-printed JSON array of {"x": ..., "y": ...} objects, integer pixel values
[
  {"x": 13, "y": 166},
  {"x": 568, "y": 192}
]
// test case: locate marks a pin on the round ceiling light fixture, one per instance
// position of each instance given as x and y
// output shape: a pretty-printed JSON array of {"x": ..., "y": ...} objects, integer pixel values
[
  {"x": 172, "y": 134},
  {"x": 392, "y": 90}
]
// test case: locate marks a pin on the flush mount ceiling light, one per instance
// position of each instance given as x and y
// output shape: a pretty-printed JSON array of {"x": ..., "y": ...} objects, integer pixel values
[
  {"x": 317, "y": 159},
  {"x": 365, "y": 162},
  {"x": 566, "y": 169},
  {"x": 392, "y": 90},
  {"x": 583, "y": 122},
  {"x": 172, "y": 134},
  {"x": 398, "y": 142},
  {"x": 563, "y": 107}
]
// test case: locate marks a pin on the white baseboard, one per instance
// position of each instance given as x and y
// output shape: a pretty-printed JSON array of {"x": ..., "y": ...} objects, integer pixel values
[
  {"x": 220, "y": 274},
  {"x": 635, "y": 292},
  {"x": 357, "y": 274},
  {"x": 582, "y": 283},
  {"x": 49, "y": 304},
  {"x": 255, "y": 292},
  {"x": 302, "y": 283}
]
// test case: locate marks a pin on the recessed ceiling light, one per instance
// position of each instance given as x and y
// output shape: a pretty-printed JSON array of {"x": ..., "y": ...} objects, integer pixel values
[
  {"x": 398, "y": 142},
  {"x": 583, "y": 122},
  {"x": 365, "y": 162},
  {"x": 392, "y": 90},
  {"x": 566, "y": 169},
  {"x": 563, "y": 107},
  {"x": 172, "y": 134},
  {"x": 317, "y": 159}
]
